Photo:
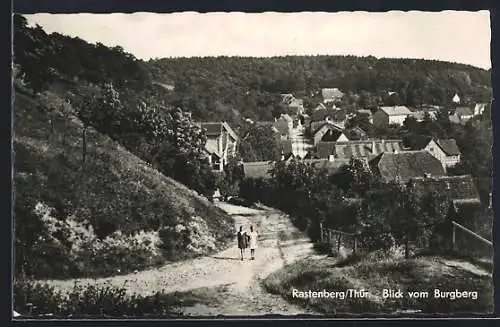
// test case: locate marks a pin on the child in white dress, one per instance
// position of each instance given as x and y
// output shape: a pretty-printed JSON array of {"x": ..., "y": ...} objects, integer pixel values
[{"x": 253, "y": 242}]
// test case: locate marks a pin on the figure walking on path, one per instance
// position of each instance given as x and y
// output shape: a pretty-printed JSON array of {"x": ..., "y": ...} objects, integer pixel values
[
  {"x": 242, "y": 241},
  {"x": 253, "y": 242}
]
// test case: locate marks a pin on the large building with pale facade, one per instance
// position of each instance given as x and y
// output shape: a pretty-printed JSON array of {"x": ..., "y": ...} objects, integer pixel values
[{"x": 221, "y": 143}]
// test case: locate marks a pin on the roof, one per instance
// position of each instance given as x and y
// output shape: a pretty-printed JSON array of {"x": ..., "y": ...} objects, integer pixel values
[
  {"x": 366, "y": 148},
  {"x": 216, "y": 128},
  {"x": 405, "y": 165},
  {"x": 396, "y": 110},
  {"x": 286, "y": 117},
  {"x": 456, "y": 187},
  {"x": 331, "y": 166},
  {"x": 355, "y": 133},
  {"x": 257, "y": 169},
  {"x": 449, "y": 147},
  {"x": 212, "y": 148},
  {"x": 364, "y": 112},
  {"x": 260, "y": 169},
  {"x": 479, "y": 108},
  {"x": 331, "y": 93},
  {"x": 357, "y": 149},
  {"x": 455, "y": 119},
  {"x": 464, "y": 111},
  {"x": 335, "y": 114},
  {"x": 332, "y": 134},
  {"x": 296, "y": 103},
  {"x": 319, "y": 107},
  {"x": 316, "y": 126}
]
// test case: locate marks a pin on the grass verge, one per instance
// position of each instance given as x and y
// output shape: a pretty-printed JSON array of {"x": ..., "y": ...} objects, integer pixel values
[{"x": 418, "y": 274}]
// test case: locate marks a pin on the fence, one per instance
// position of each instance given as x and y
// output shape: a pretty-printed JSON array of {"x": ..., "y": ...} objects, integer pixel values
[
  {"x": 451, "y": 236},
  {"x": 469, "y": 243},
  {"x": 340, "y": 242}
]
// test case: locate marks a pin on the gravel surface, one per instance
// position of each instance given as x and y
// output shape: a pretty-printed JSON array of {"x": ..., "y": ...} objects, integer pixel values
[{"x": 242, "y": 293}]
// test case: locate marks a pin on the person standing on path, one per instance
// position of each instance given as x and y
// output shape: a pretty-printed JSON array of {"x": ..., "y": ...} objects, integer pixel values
[
  {"x": 242, "y": 241},
  {"x": 253, "y": 242}
]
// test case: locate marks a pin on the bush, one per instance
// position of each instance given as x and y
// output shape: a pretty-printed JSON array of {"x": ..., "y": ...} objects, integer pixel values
[{"x": 35, "y": 299}]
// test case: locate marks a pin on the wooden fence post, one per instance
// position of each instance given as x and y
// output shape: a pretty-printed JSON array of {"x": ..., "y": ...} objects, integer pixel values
[
  {"x": 453, "y": 245},
  {"x": 321, "y": 231},
  {"x": 329, "y": 236},
  {"x": 354, "y": 248},
  {"x": 339, "y": 239}
]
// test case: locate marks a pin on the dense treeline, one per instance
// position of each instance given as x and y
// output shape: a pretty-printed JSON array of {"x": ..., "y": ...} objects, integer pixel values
[
  {"x": 119, "y": 101},
  {"x": 249, "y": 85},
  {"x": 232, "y": 88},
  {"x": 44, "y": 58}
]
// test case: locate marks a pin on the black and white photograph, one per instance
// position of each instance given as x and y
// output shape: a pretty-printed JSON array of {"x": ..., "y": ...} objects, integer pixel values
[{"x": 244, "y": 165}]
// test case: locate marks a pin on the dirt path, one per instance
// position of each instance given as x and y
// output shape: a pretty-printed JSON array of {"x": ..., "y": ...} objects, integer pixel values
[{"x": 225, "y": 284}]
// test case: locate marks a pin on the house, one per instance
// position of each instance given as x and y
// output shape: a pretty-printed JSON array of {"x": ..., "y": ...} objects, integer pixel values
[
  {"x": 402, "y": 166},
  {"x": 366, "y": 112},
  {"x": 221, "y": 143},
  {"x": 286, "y": 98},
  {"x": 284, "y": 124},
  {"x": 457, "y": 188},
  {"x": 446, "y": 151},
  {"x": 257, "y": 169},
  {"x": 456, "y": 98},
  {"x": 331, "y": 95},
  {"x": 365, "y": 149},
  {"x": 328, "y": 132},
  {"x": 386, "y": 116},
  {"x": 462, "y": 114},
  {"x": 355, "y": 133},
  {"x": 305, "y": 119},
  {"x": 294, "y": 104},
  {"x": 479, "y": 108},
  {"x": 330, "y": 166},
  {"x": 460, "y": 190},
  {"x": 337, "y": 115}
]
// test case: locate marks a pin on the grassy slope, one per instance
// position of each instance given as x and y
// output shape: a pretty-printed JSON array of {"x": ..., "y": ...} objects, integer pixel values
[
  {"x": 418, "y": 274},
  {"x": 117, "y": 190}
]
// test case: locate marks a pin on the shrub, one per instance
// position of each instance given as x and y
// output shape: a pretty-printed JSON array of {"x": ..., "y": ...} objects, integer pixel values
[{"x": 35, "y": 299}]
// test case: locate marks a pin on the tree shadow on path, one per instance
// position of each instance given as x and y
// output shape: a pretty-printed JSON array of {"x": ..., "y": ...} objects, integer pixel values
[{"x": 226, "y": 258}]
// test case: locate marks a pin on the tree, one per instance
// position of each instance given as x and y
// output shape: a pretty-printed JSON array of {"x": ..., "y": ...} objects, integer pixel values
[
  {"x": 259, "y": 143},
  {"x": 34, "y": 53},
  {"x": 101, "y": 111}
]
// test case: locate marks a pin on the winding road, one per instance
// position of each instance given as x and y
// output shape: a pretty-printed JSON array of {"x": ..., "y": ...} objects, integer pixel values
[{"x": 224, "y": 284}]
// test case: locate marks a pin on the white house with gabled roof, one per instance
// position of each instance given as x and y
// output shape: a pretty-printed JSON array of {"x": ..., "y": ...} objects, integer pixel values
[{"x": 394, "y": 115}]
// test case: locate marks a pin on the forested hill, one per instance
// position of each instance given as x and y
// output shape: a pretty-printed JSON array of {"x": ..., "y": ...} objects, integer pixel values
[
  {"x": 248, "y": 84},
  {"x": 229, "y": 88}
]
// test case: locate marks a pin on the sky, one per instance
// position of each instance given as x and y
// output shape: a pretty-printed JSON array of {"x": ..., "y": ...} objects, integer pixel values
[{"x": 455, "y": 36}]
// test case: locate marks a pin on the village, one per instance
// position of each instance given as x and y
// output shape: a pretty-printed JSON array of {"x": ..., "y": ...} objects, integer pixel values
[
  {"x": 322, "y": 139},
  {"x": 241, "y": 161}
]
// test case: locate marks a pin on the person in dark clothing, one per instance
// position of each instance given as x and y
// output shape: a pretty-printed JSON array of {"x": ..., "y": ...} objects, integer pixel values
[{"x": 242, "y": 241}]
